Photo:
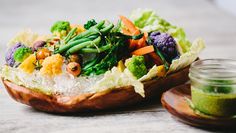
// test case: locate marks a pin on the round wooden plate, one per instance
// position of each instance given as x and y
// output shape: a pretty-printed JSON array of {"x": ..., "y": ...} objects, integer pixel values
[{"x": 174, "y": 100}]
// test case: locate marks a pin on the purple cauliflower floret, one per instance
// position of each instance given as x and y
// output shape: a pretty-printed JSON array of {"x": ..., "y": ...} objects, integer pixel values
[
  {"x": 10, "y": 54},
  {"x": 166, "y": 44}
]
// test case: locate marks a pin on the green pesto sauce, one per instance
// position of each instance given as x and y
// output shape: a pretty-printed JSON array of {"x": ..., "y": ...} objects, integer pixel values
[{"x": 216, "y": 104}]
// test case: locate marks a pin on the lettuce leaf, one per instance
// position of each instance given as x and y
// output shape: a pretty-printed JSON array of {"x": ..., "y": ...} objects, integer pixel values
[
  {"x": 27, "y": 37},
  {"x": 115, "y": 79},
  {"x": 152, "y": 73},
  {"x": 148, "y": 21},
  {"x": 189, "y": 57},
  {"x": 183, "y": 44},
  {"x": 28, "y": 80}
]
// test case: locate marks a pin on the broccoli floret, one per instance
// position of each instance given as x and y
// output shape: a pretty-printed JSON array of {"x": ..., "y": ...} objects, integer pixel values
[
  {"x": 136, "y": 66},
  {"x": 10, "y": 54},
  {"x": 61, "y": 28},
  {"x": 22, "y": 53},
  {"x": 89, "y": 24}
]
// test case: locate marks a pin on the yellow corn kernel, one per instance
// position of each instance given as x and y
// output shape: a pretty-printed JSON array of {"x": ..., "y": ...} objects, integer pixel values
[
  {"x": 161, "y": 71},
  {"x": 121, "y": 66},
  {"x": 52, "y": 65},
  {"x": 28, "y": 65}
]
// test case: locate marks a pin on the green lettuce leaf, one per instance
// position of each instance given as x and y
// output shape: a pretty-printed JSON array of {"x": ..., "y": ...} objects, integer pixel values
[
  {"x": 188, "y": 57},
  {"x": 115, "y": 79},
  {"x": 26, "y": 37},
  {"x": 148, "y": 21},
  {"x": 183, "y": 44},
  {"x": 23, "y": 79}
]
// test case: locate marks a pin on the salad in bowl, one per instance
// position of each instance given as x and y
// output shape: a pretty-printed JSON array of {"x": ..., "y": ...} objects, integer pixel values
[{"x": 98, "y": 65}]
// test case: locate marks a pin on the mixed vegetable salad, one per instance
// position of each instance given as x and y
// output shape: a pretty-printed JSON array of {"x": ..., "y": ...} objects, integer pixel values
[{"x": 102, "y": 53}]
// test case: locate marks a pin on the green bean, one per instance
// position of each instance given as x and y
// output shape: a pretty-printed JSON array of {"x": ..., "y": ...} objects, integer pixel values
[
  {"x": 101, "y": 71},
  {"x": 166, "y": 64},
  {"x": 92, "y": 37},
  {"x": 96, "y": 50},
  {"x": 63, "y": 48},
  {"x": 90, "y": 63},
  {"x": 78, "y": 47},
  {"x": 99, "y": 25},
  {"x": 91, "y": 31},
  {"x": 135, "y": 37},
  {"x": 107, "y": 29},
  {"x": 70, "y": 34}
]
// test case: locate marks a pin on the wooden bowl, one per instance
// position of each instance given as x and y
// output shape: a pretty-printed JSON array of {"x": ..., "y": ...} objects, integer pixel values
[
  {"x": 115, "y": 98},
  {"x": 174, "y": 100}
]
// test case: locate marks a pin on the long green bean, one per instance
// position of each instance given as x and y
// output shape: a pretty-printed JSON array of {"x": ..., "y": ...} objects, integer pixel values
[
  {"x": 69, "y": 35},
  {"x": 90, "y": 32},
  {"x": 78, "y": 47},
  {"x": 96, "y": 50},
  {"x": 99, "y": 25},
  {"x": 107, "y": 29},
  {"x": 65, "y": 47}
]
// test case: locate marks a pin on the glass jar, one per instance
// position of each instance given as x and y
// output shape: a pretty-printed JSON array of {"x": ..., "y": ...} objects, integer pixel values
[{"x": 213, "y": 86}]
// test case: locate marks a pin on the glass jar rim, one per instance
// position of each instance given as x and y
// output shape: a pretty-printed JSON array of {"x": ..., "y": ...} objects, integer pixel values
[{"x": 211, "y": 71}]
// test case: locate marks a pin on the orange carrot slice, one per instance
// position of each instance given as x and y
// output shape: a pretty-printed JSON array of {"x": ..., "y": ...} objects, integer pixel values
[
  {"x": 144, "y": 50},
  {"x": 129, "y": 24},
  {"x": 131, "y": 29},
  {"x": 142, "y": 41},
  {"x": 126, "y": 32},
  {"x": 135, "y": 42},
  {"x": 156, "y": 59}
]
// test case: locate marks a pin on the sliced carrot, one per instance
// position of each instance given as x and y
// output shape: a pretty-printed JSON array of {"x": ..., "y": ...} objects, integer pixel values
[
  {"x": 145, "y": 35},
  {"x": 132, "y": 30},
  {"x": 142, "y": 41},
  {"x": 129, "y": 24},
  {"x": 126, "y": 32},
  {"x": 135, "y": 42},
  {"x": 132, "y": 45},
  {"x": 136, "y": 32},
  {"x": 144, "y": 50},
  {"x": 156, "y": 59}
]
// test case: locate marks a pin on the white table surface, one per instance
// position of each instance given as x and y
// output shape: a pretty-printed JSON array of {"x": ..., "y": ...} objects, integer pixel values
[{"x": 199, "y": 18}]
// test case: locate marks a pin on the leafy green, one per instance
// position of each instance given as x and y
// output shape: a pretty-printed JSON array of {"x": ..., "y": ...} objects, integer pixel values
[
  {"x": 109, "y": 58},
  {"x": 115, "y": 78},
  {"x": 22, "y": 53},
  {"x": 148, "y": 21},
  {"x": 117, "y": 52},
  {"x": 89, "y": 24},
  {"x": 151, "y": 74},
  {"x": 26, "y": 37},
  {"x": 182, "y": 42},
  {"x": 188, "y": 57},
  {"x": 21, "y": 78}
]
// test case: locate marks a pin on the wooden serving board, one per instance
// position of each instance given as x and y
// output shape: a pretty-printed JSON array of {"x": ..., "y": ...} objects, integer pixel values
[{"x": 174, "y": 100}]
